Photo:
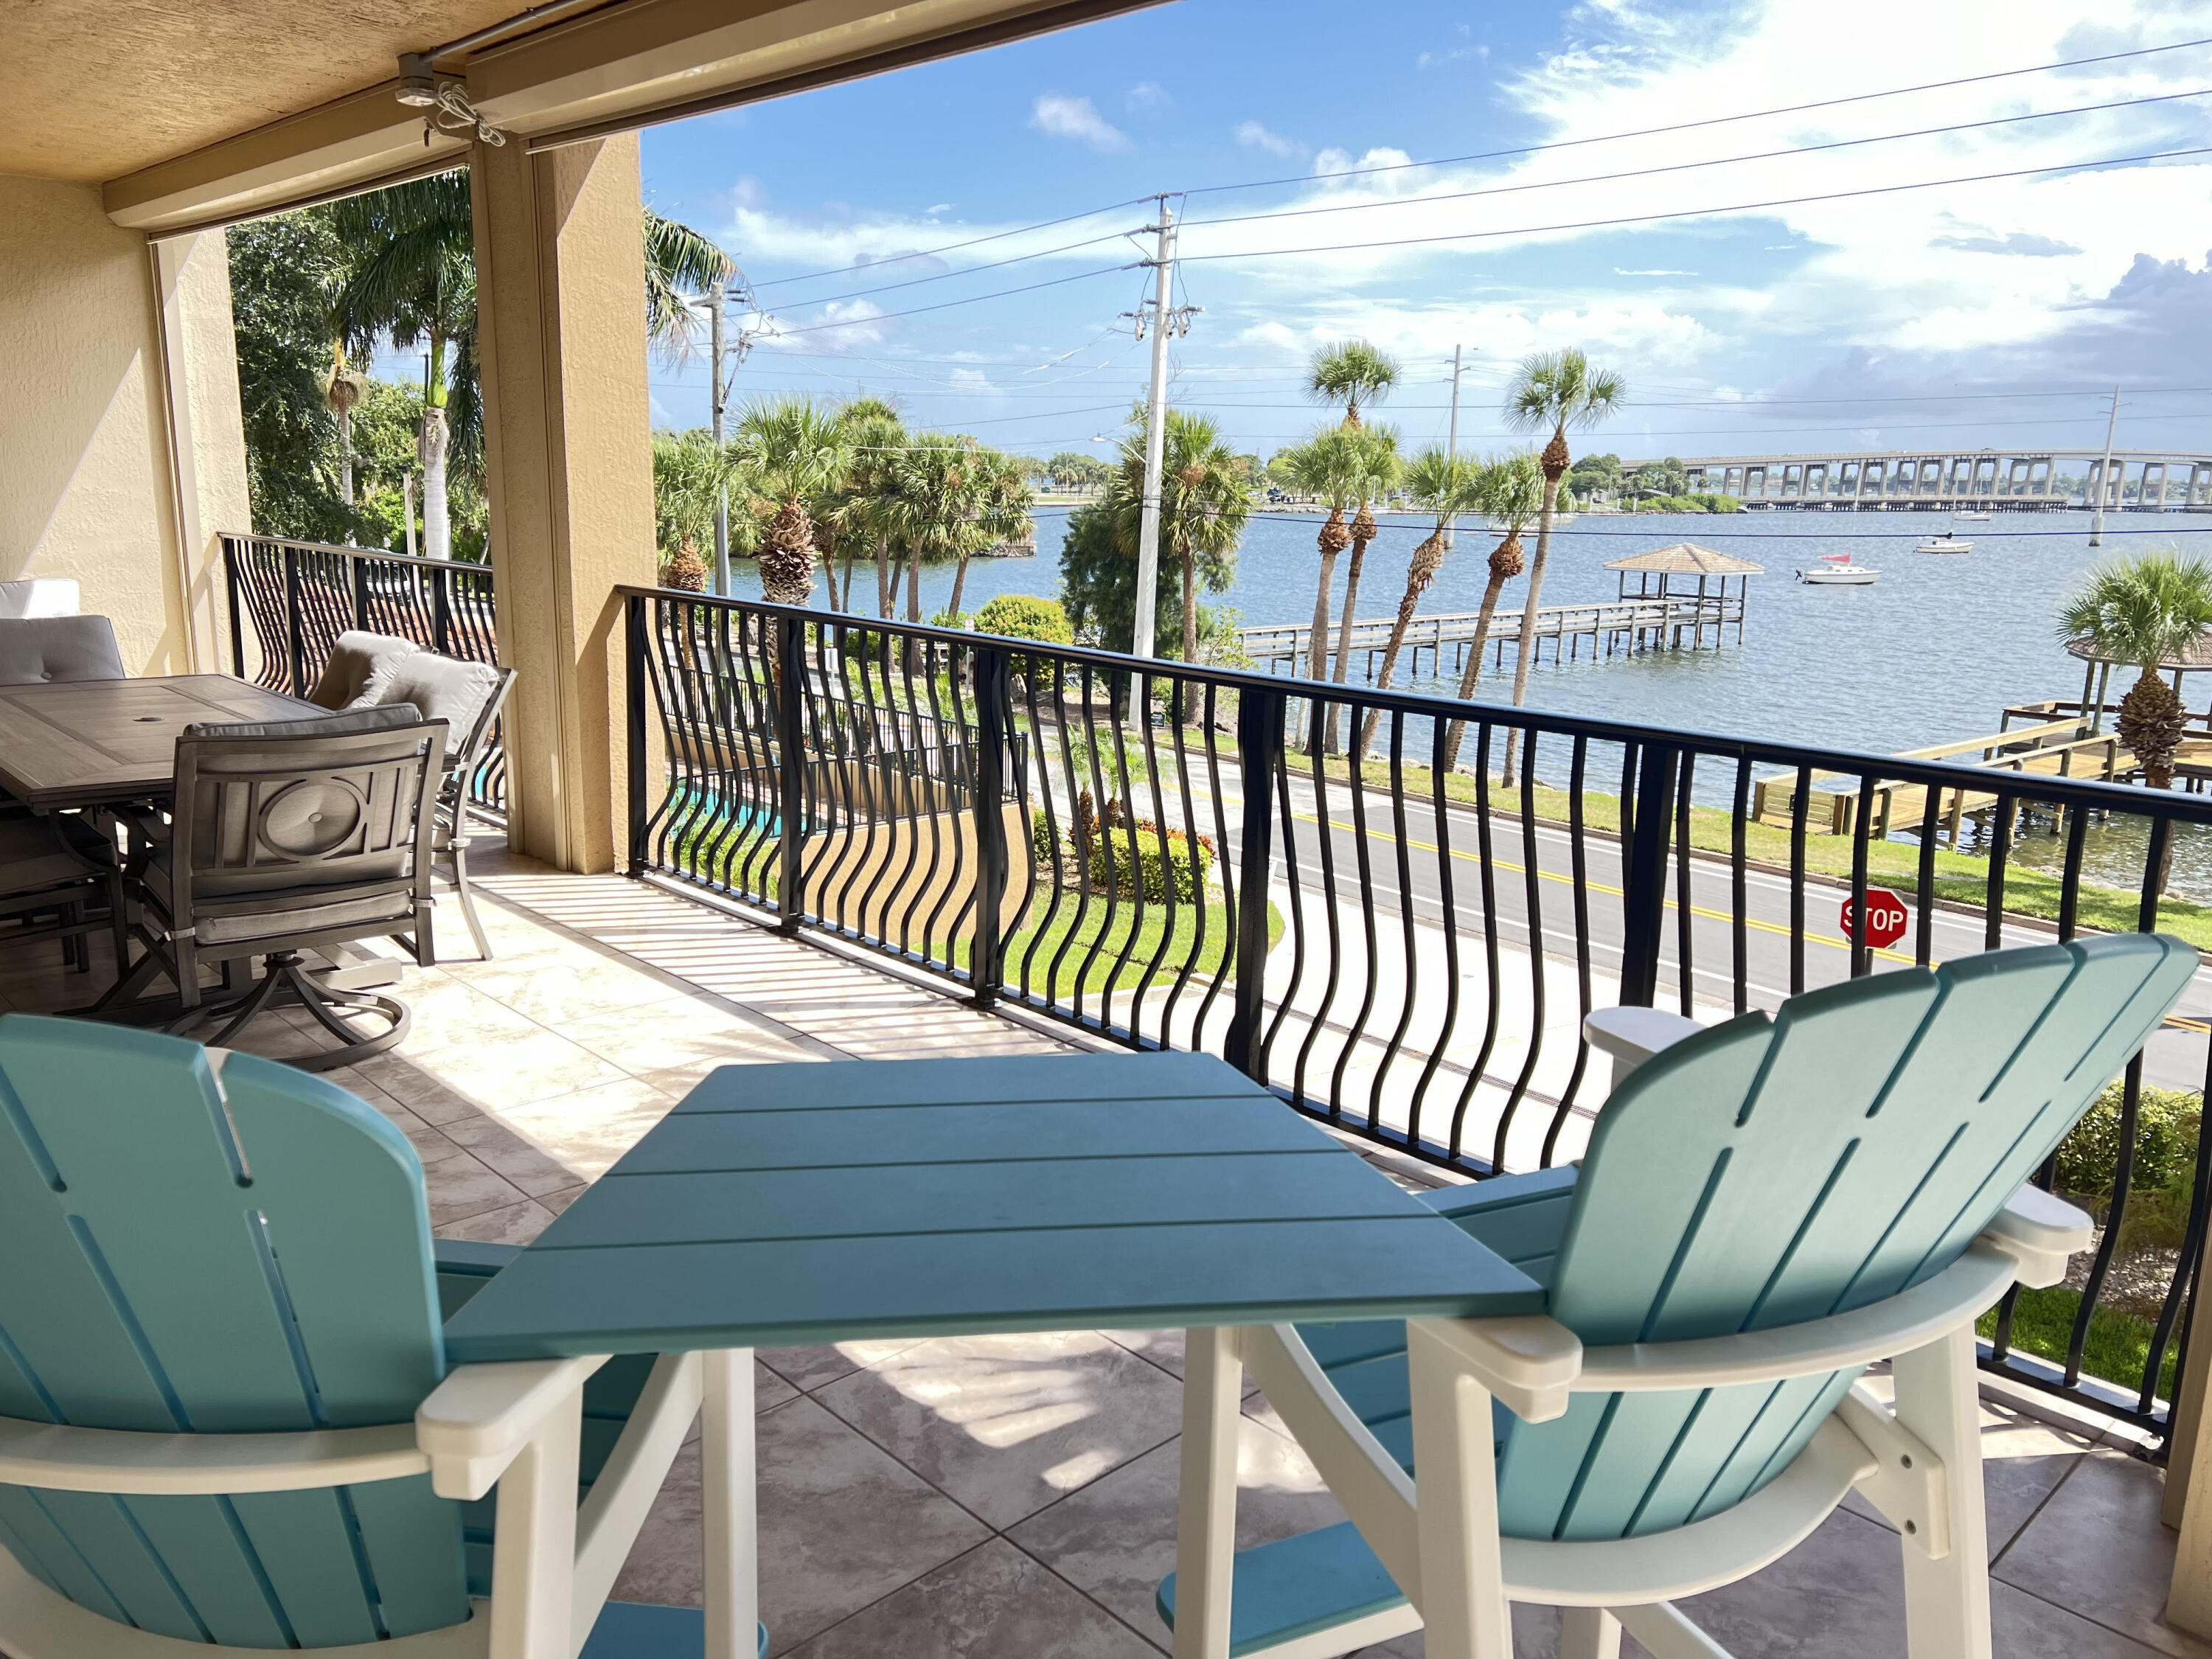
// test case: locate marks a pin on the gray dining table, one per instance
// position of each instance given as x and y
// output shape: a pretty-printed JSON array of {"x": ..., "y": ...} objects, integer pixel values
[{"x": 73, "y": 743}]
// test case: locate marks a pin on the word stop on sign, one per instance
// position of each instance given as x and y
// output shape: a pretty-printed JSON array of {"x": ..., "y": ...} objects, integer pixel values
[{"x": 1886, "y": 919}]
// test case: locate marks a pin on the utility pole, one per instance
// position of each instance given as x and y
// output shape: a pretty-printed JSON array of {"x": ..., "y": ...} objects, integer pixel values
[
  {"x": 1451, "y": 525},
  {"x": 1156, "y": 422},
  {"x": 2105, "y": 475},
  {"x": 718, "y": 293}
]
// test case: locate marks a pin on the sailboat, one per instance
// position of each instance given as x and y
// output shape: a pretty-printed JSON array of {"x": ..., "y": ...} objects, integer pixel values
[{"x": 1837, "y": 570}]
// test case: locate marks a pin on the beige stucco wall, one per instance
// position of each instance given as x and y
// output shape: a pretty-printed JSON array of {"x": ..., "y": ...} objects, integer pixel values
[{"x": 89, "y": 486}]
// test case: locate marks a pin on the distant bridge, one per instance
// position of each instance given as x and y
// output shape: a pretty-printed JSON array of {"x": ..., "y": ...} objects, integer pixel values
[{"x": 2141, "y": 480}]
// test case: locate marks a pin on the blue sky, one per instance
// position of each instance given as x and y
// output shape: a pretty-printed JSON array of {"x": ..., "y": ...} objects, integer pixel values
[{"x": 1972, "y": 313}]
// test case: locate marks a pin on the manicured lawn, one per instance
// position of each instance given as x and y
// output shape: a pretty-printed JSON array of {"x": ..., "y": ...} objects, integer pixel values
[
  {"x": 1038, "y": 945},
  {"x": 2119, "y": 1345}
]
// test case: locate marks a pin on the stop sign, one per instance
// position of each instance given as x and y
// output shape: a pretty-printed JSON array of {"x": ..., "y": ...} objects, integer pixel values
[{"x": 1885, "y": 918}]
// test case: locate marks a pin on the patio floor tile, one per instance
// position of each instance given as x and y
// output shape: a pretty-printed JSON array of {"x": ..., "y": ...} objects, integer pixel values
[
  {"x": 2070, "y": 1555},
  {"x": 842, "y": 1526},
  {"x": 1008, "y": 1424},
  {"x": 993, "y": 1603},
  {"x": 1114, "y": 1539}
]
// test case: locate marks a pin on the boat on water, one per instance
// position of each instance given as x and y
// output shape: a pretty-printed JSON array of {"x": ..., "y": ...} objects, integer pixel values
[
  {"x": 1837, "y": 570},
  {"x": 1948, "y": 541},
  {"x": 1969, "y": 518}
]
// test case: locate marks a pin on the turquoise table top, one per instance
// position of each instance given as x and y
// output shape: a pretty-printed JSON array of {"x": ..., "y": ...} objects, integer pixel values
[{"x": 866, "y": 1199}]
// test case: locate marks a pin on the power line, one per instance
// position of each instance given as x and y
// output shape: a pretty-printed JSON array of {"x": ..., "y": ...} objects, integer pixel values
[
  {"x": 954, "y": 247},
  {"x": 1678, "y": 167},
  {"x": 973, "y": 299},
  {"x": 1711, "y": 121},
  {"x": 1697, "y": 213}
]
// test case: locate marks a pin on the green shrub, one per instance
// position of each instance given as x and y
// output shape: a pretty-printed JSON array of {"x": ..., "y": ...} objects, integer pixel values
[
  {"x": 2166, "y": 1144},
  {"x": 1136, "y": 862},
  {"x": 1025, "y": 617},
  {"x": 2167, "y": 1121},
  {"x": 1043, "y": 843}
]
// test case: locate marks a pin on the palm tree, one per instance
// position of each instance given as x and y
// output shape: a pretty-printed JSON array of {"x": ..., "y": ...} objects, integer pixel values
[
  {"x": 1205, "y": 501},
  {"x": 681, "y": 266},
  {"x": 1002, "y": 501},
  {"x": 409, "y": 277},
  {"x": 1351, "y": 372},
  {"x": 1443, "y": 484},
  {"x": 342, "y": 389},
  {"x": 2144, "y": 610},
  {"x": 873, "y": 434},
  {"x": 1328, "y": 465},
  {"x": 1508, "y": 492},
  {"x": 933, "y": 510},
  {"x": 1379, "y": 471},
  {"x": 1558, "y": 390},
  {"x": 689, "y": 474},
  {"x": 795, "y": 452}
]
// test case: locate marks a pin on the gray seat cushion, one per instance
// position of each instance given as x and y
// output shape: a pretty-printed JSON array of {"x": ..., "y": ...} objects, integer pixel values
[
  {"x": 35, "y": 649},
  {"x": 276, "y": 914},
  {"x": 444, "y": 688},
  {"x": 360, "y": 667},
  {"x": 389, "y": 717}
]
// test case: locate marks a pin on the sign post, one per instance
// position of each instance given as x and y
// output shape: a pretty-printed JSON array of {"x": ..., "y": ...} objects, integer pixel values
[{"x": 1885, "y": 920}]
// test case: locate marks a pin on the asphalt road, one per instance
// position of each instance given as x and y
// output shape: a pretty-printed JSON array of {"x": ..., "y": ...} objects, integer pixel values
[{"x": 1415, "y": 873}]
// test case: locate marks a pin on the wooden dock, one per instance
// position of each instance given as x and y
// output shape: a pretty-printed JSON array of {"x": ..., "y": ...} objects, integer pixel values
[
  {"x": 1626, "y": 626},
  {"x": 2059, "y": 749}
]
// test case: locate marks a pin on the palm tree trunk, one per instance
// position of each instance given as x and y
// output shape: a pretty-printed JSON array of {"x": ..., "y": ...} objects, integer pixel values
[
  {"x": 887, "y": 578},
  {"x": 913, "y": 585},
  {"x": 1351, "y": 597},
  {"x": 1318, "y": 653},
  {"x": 437, "y": 522},
  {"x": 1188, "y": 560},
  {"x": 345, "y": 456},
  {"x": 959, "y": 581},
  {"x": 1457, "y": 731},
  {"x": 1527, "y": 654},
  {"x": 846, "y": 603},
  {"x": 1407, "y": 604}
]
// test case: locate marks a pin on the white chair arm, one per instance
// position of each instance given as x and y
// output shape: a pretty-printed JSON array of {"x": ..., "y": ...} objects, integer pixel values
[
  {"x": 1895, "y": 1325},
  {"x": 2039, "y": 1231},
  {"x": 1631, "y": 1035},
  {"x": 476, "y": 1420},
  {"x": 1529, "y": 1361},
  {"x": 51, "y": 1457}
]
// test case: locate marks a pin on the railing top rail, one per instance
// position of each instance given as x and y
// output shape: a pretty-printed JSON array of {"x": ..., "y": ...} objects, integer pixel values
[
  {"x": 2123, "y": 799},
  {"x": 382, "y": 556}
]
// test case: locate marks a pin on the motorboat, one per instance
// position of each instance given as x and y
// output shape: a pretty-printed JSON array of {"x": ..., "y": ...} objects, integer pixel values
[
  {"x": 1949, "y": 542},
  {"x": 1837, "y": 570}
]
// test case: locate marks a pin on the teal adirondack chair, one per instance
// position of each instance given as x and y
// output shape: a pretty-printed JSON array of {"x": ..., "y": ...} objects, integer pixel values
[
  {"x": 1765, "y": 1207},
  {"x": 226, "y": 1419}
]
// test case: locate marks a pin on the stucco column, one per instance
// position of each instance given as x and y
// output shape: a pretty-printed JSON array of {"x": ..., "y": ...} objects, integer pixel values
[
  {"x": 207, "y": 436},
  {"x": 568, "y": 447}
]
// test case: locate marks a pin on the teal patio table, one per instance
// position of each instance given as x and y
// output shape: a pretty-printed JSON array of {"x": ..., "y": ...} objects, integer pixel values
[{"x": 817, "y": 1203}]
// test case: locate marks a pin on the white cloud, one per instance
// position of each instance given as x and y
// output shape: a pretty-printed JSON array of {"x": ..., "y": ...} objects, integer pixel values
[
  {"x": 857, "y": 326},
  {"x": 1061, "y": 117},
  {"x": 1253, "y": 135},
  {"x": 1147, "y": 95},
  {"x": 1619, "y": 271}
]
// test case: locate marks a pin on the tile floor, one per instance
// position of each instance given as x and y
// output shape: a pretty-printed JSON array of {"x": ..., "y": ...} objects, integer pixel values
[{"x": 1013, "y": 1497}]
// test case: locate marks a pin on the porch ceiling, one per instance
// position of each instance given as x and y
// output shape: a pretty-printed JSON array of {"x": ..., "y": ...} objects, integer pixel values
[{"x": 100, "y": 88}]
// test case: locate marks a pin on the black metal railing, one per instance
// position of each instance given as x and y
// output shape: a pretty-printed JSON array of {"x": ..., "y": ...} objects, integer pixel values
[
  {"x": 1404, "y": 946},
  {"x": 296, "y": 598}
]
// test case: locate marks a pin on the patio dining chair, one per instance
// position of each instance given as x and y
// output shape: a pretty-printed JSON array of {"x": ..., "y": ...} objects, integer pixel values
[
  {"x": 226, "y": 1420},
  {"x": 469, "y": 697},
  {"x": 359, "y": 670},
  {"x": 1767, "y": 1208},
  {"x": 34, "y": 650},
  {"x": 286, "y": 837}
]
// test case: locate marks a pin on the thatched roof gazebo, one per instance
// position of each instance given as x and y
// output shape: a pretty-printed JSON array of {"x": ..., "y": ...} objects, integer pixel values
[{"x": 1701, "y": 607}]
